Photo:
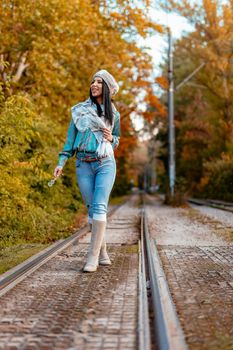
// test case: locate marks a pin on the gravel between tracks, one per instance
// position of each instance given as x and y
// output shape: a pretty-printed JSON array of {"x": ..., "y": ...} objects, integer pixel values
[
  {"x": 181, "y": 226},
  {"x": 223, "y": 216},
  {"x": 198, "y": 263}
]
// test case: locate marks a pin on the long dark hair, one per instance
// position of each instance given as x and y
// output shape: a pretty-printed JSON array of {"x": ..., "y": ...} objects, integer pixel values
[{"x": 107, "y": 102}]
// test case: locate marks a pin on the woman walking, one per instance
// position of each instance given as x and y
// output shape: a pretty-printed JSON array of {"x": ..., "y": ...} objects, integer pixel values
[{"x": 93, "y": 135}]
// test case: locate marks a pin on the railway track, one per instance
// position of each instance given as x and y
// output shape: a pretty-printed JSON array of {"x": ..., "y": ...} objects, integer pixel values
[
  {"x": 196, "y": 253},
  {"x": 213, "y": 203},
  {"x": 48, "y": 303},
  {"x": 17, "y": 274},
  {"x": 165, "y": 327}
]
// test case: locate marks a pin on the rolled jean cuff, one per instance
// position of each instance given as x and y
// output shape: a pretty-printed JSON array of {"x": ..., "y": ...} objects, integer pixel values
[{"x": 100, "y": 217}]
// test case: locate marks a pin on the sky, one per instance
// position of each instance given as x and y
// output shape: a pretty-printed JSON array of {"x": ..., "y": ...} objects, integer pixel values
[{"x": 157, "y": 43}]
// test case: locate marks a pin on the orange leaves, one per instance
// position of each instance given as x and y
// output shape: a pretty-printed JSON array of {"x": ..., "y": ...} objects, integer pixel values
[
  {"x": 117, "y": 16},
  {"x": 153, "y": 101},
  {"x": 149, "y": 115},
  {"x": 134, "y": 19},
  {"x": 163, "y": 82},
  {"x": 157, "y": 27},
  {"x": 27, "y": 165},
  {"x": 155, "y": 107},
  {"x": 140, "y": 83}
]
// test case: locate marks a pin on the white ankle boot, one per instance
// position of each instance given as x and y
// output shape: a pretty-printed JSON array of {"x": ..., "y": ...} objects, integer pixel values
[
  {"x": 98, "y": 230},
  {"x": 103, "y": 257}
]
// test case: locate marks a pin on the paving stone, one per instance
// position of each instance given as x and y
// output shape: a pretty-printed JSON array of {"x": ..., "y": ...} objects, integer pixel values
[
  {"x": 198, "y": 263},
  {"x": 205, "y": 310}
]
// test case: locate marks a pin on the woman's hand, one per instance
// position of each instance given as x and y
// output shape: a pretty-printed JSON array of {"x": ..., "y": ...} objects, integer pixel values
[
  {"x": 58, "y": 171},
  {"x": 107, "y": 134}
]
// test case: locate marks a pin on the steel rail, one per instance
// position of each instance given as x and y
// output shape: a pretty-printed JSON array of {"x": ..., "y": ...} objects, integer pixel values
[
  {"x": 212, "y": 203},
  {"x": 168, "y": 332},
  {"x": 144, "y": 337},
  {"x": 218, "y": 204},
  {"x": 12, "y": 277}
]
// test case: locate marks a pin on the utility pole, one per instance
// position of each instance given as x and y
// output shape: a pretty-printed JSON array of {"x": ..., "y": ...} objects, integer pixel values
[{"x": 171, "y": 128}]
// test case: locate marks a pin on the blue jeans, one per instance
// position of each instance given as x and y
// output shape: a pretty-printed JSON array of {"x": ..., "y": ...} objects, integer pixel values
[{"x": 95, "y": 181}]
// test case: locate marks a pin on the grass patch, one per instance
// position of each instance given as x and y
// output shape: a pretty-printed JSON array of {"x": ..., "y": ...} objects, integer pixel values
[
  {"x": 223, "y": 342},
  {"x": 129, "y": 249},
  {"x": 16, "y": 251},
  {"x": 118, "y": 200},
  {"x": 12, "y": 256}
]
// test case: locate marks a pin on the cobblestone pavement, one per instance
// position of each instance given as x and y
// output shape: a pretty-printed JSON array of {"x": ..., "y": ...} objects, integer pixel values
[
  {"x": 59, "y": 307},
  {"x": 199, "y": 269}
]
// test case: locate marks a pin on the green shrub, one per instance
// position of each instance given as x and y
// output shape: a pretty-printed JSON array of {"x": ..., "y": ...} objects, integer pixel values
[
  {"x": 218, "y": 180},
  {"x": 30, "y": 210}
]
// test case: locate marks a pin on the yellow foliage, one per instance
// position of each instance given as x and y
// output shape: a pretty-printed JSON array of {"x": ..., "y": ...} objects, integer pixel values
[{"x": 49, "y": 52}]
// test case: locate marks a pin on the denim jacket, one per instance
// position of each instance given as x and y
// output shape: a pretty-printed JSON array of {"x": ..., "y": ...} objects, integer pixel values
[{"x": 86, "y": 141}]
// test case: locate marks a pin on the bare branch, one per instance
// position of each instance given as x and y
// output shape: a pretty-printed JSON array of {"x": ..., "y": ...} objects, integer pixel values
[{"x": 21, "y": 68}]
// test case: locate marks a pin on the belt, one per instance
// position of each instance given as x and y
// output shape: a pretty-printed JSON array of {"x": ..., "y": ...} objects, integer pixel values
[
  {"x": 89, "y": 159},
  {"x": 84, "y": 152}
]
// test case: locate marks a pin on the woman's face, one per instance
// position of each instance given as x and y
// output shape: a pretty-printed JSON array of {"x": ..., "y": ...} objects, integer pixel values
[{"x": 97, "y": 87}]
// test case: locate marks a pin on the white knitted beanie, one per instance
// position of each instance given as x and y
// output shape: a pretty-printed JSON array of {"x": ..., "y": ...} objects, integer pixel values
[{"x": 109, "y": 80}]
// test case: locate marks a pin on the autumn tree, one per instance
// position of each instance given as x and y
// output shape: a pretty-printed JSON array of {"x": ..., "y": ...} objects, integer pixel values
[
  {"x": 49, "y": 52},
  {"x": 203, "y": 107}
]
